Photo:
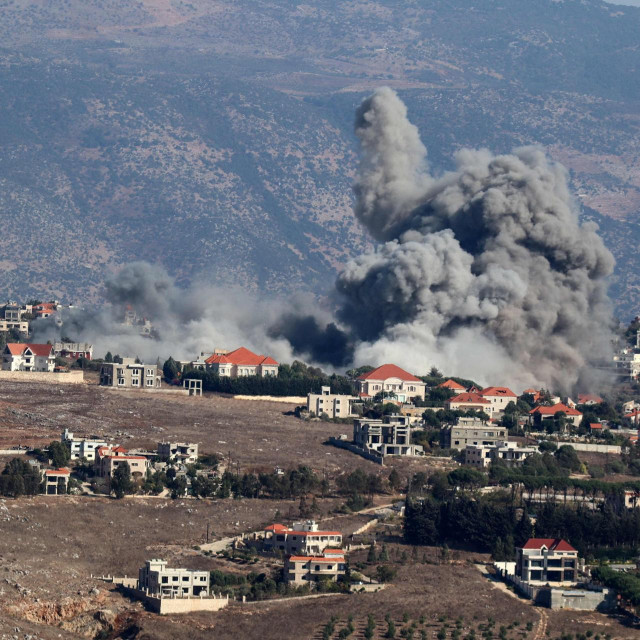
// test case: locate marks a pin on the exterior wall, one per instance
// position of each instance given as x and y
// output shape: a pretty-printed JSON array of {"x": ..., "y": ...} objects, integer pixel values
[
  {"x": 73, "y": 350},
  {"x": 27, "y": 362},
  {"x": 302, "y": 543},
  {"x": 108, "y": 464},
  {"x": 540, "y": 566},
  {"x": 243, "y": 370},
  {"x": 387, "y": 439},
  {"x": 477, "y": 456},
  {"x": 334, "y": 405},
  {"x": 465, "y": 406},
  {"x": 129, "y": 375},
  {"x": 582, "y": 600},
  {"x": 20, "y": 326},
  {"x": 404, "y": 390},
  {"x": 159, "y": 580},
  {"x": 185, "y": 452},
  {"x": 53, "y": 377},
  {"x": 168, "y": 606},
  {"x": 459, "y": 437},
  {"x": 306, "y": 570},
  {"x": 55, "y": 483}
]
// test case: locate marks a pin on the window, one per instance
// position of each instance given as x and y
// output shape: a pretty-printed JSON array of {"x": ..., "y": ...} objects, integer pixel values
[
  {"x": 149, "y": 383},
  {"x": 165, "y": 579},
  {"x": 135, "y": 382},
  {"x": 149, "y": 373},
  {"x": 121, "y": 382}
]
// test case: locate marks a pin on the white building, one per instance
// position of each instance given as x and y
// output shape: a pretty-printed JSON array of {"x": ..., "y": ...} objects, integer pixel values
[
  {"x": 304, "y": 538},
  {"x": 499, "y": 397},
  {"x": 157, "y": 579},
  {"x": 391, "y": 379},
  {"x": 329, "y": 565},
  {"x": 28, "y": 357},
  {"x": 82, "y": 447},
  {"x": 481, "y": 456},
  {"x": 333, "y": 404},
  {"x": 241, "y": 363}
]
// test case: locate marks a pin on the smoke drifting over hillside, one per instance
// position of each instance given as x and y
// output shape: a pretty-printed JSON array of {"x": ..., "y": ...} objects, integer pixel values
[
  {"x": 485, "y": 271},
  {"x": 185, "y": 321}
]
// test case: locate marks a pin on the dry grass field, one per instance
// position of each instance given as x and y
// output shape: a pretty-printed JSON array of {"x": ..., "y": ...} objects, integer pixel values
[{"x": 51, "y": 546}]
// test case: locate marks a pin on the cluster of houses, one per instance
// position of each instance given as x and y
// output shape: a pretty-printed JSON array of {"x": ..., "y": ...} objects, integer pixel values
[
  {"x": 18, "y": 356},
  {"x": 16, "y": 317}
]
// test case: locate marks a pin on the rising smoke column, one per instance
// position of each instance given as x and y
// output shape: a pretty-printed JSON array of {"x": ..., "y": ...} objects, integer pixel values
[{"x": 485, "y": 271}]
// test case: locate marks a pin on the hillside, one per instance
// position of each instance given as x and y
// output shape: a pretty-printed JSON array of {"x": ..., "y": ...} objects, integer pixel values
[{"x": 216, "y": 137}]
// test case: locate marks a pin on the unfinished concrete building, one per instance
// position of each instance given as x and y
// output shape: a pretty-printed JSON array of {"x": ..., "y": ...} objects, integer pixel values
[
  {"x": 185, "y": 452},
  {"x": 383, "y": 438},
  {"x": 156, "y": 579},
  {"x": 334, "y": 405},
  {"x": 130, "y": 374}
]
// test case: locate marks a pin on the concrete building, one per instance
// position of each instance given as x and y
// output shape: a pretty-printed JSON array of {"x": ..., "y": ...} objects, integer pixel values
[
  {"x": 466, "y": 433},
  {"x": 56, "y": 481},
  {"x": 21, "y": 326},
  {"x": 469, "y": 400},
  {"x": 184, "y": 452},
  {"x": 302, "y": 539},
  {"x": 334, "y": 405},
  {"x": 108, "y": 459},
  {"x": 481, "y": 456},
  {"x": 306, "y": 569},
  {"x": 28, "y": 357},
  {"x": 130, "y": 375},
  {"x": 390, "y": 379},
  {"x": 82, "y": 447},
  {"x": 547, "y": 561},
  {"x": 387, "y": 439},
  {"x": 156, "y": 579},
  {"x": 539, "y": 415},
  {"x": 73, "y": 350},
  {"x": 241, "y": 363}
]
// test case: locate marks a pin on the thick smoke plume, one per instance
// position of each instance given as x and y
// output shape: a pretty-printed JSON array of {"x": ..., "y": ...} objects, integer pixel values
[
  {"x": 485, "y": 271},
  {"x": 185, "y": 321}
]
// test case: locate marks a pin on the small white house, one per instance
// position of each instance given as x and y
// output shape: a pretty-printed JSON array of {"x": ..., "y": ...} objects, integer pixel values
[{"x": 28, "y": 357}]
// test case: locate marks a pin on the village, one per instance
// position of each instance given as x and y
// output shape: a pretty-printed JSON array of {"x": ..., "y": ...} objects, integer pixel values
[{"x": 388, "y": 449}]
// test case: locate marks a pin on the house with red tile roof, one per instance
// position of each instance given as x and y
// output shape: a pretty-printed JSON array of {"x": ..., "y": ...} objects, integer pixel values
[
  {"x": 28, "y": 357},
  {"x": 108, "y": 459},
  {"x": 452, "y": 385},
  {"x": 308, "y": 569},
  {"x": 537, "y": 395},
  {"x": 538, "y": 415},
  {"x": 56, "y": 481},
  {"x": 391, "y": 379},
  {"x": 499, "y": 397},
  {"x": 547, "y": 561},
  {"x": 589, "y": 399},
  {"x": 466, "y": 401},
  {"x": 303, "y": 538},
  {"x": 240, "y": 363}
]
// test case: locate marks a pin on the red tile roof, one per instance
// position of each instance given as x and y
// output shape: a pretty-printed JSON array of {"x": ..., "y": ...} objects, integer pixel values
[
  {"x": 451, "y": 384},
  {"x": 588, "y": 397},
  {"x": 276, "y": 527},
  {"x": 333, "y": 552},
  {"x": 556, "y": 408},
  {"x": 595, "y": 425},
  {"x": 17, "y": 349},
  {"x": 504, "y": 392},
  {"x": 241, "y": 356},
  {"x": 313, "y": 559},
  {"x": 468, "y": 398},
  {"x": 553, "y": 544},
  {"x": 58, "y": 472},
  {"x": 387, "y": 371},
  {"x": 126, "y": 457}
]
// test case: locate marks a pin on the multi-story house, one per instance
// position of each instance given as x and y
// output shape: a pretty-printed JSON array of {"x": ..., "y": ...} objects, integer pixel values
[
  {"x": 73, "y": 350},
  {"x": 82, "y": 447},
  {"x": 303, "y": 538},
  {"x": 387, "y": 439},
  {"x": 12, "y": 318},
  {"x": 130, "y": 375},
  {"x": 463, "y": 434},
  {"x": 156, "y": 579},
  {"x": 306, "y": 569},
  {"x": 499, "y": 397},
  {"x": 538, "y": 415},
  {"x": 240, "y": 363},
  {"x": 108, "y": 459},
  {"x": 543, "y": 561},
  {"x": 391, "y": 379},
  {"x": 184, "y": 452},
  {"x": 28, "y": 357},
  {"x": 481, "y": 456},
  {"x": 333, "y": 404},
  {"x": 56, "y": 481},
  {"x": 468, "y": 400}
]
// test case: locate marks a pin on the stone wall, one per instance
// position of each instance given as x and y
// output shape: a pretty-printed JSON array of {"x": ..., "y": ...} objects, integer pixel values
[
  {"x": 57, "y": 377},
  {"x": 166, "y": 606}
]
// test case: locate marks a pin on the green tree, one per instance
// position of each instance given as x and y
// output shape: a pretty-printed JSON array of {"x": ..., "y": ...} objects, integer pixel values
[
  {"x": 59, "y": 454},
  {"x": 395, "y": 481},
  {"x": 121, "y": 482},
  {"x": 170, "y": 369}
]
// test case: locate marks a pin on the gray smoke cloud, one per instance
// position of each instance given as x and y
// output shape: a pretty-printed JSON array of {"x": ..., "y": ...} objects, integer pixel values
[
  {"x": 485, "y": 269},
  {"x": 185, "y": 321}
]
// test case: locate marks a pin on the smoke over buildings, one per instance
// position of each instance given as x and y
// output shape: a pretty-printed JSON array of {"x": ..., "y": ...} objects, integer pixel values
[{"x": 484, "y": 271}]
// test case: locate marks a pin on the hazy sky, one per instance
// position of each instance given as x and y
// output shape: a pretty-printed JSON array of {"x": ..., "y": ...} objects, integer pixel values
[{"x": 630, "y": 3}]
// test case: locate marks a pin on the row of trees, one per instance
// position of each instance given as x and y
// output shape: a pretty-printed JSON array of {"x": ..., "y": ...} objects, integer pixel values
[{"x": 489, "y": 524}]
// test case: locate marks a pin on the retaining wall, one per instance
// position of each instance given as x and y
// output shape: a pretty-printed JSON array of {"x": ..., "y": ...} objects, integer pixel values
[
  {"x": 345, "y": 444},
  {"x": 53, "y": 377},
  {"x": 595, "y": 448},
  {"x": 166, "y": 606},
  {"x": 285, "y": 399}
]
